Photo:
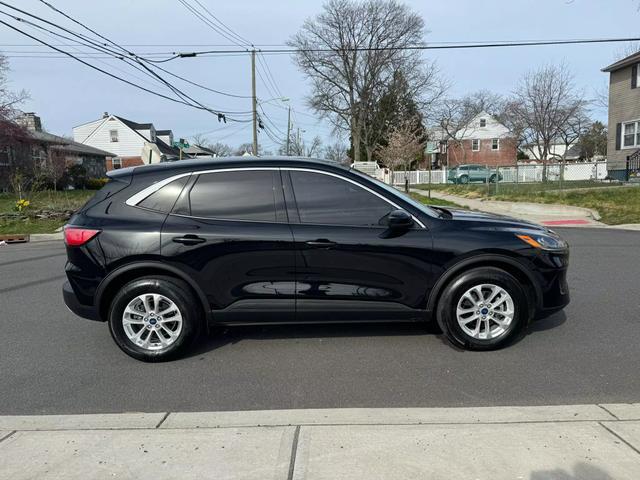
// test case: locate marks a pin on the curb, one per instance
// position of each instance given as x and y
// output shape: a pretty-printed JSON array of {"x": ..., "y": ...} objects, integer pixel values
[{"x": 324, "y": 417}]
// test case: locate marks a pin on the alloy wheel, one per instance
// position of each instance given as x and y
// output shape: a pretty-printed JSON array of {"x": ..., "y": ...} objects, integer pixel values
[
  {"x": 485, "y": 311},
  {"x": 152, "y": 321}
]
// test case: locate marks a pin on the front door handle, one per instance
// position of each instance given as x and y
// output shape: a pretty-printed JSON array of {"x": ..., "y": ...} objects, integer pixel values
[
  {"x": 189, "y": 240},
  {"x": 321, "y": 242}
]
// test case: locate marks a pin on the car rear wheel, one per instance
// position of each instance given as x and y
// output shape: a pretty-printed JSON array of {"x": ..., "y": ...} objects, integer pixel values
[
  {"x": 154, "y": 318},
  {"x": 493, "y": 178},
  {"x": 483, "y": 309},
  {"x": 464, "y": 179}
]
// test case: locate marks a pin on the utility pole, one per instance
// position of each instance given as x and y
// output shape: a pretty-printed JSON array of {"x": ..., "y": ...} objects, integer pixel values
[
  {"x": 289, "y": 131},
  {"x": 254, "y": 102}
]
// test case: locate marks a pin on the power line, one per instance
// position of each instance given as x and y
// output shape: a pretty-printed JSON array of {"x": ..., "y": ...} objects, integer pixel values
[
  {"x": 223, "y": 25},
  {"x": 449, "y": 46},
  {"x": 199, "y": 15},
  {"x": 106, "y": 72},
  {"x": 105, "y": 49}
]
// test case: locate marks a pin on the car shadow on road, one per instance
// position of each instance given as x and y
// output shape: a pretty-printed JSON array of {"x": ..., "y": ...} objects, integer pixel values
[
  {"x": 220, "y": 336},
  {"x": 548, "y": 323}
]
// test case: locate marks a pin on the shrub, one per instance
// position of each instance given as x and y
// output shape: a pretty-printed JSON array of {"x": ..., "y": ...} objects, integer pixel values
[{"x": 95, "y": 183}]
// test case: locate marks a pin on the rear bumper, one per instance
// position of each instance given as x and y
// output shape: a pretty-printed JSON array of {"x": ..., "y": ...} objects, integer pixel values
[{"x": 71, "y": 301}]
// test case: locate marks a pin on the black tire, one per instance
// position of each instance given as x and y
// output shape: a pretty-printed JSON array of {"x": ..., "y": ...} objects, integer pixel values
[
  {"x": 175, "y": 290},
  {"x": 464, "y": 179},
  {"x": 493, "y": 178},
  {"x": 453, "y": 292}
]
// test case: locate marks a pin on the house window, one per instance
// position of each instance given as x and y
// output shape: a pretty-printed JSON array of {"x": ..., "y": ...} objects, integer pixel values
[
  {"x": 113, "y": 134},
  {"x": 631, "y": 134},
  {"x": 495, "y": 144},
  {"x": 475, "y": 145},
  {"x": 5, "y": 155},
  {"x": 116, "y": 163},
  {"x": 38, "y": 155},
  {"x": 483, "y": 122}
]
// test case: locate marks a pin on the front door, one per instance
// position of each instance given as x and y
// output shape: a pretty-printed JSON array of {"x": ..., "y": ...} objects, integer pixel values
[
  {"x": 229, "y": 230},
  {"x": 348, "y": 266}
]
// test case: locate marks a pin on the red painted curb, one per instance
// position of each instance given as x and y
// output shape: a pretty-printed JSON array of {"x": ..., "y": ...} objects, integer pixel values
[{"x": 567, "y": 222}]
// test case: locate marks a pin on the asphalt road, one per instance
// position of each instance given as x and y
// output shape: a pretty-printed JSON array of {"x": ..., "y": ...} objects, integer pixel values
[{"x": 54, "y": 362}]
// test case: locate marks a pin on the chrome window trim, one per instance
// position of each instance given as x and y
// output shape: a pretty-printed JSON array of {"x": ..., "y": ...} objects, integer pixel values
[{"x": 145, "y": 192}]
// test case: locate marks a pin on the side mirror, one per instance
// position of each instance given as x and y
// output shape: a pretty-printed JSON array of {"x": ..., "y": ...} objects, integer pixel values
[{"x": 399, "y": 220}]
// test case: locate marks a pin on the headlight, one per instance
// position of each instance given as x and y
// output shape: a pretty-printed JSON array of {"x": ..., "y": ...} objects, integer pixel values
[{"x": 544, "y": 241}]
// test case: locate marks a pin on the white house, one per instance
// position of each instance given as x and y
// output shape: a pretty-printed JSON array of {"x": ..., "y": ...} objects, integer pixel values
[{"x": 133, "y": 143}]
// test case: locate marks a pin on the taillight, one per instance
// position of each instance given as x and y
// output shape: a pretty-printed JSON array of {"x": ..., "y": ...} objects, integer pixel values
[{"x": 76, "y": 236}]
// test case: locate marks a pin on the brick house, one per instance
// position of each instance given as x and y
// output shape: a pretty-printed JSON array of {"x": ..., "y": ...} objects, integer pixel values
[
  {"x": 484, "y": 140},
  {"x": 133, "y": 143},
  {"x": 624, "y": 113},
  {"x": 24, "y": 145}
]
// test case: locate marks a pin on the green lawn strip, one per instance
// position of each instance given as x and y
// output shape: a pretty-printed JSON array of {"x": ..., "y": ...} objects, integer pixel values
[
  {"x": 616, "y": 205},
  {"x": 433, "y": 201},
  {"x": 49, "y": 201}
]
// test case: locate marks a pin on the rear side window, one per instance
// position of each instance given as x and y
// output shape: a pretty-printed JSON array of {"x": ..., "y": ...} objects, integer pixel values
[
  {"x": 237, "y": 195},
  {"x": 162, "y": 200},
  {"x": 328, "y": 200}
]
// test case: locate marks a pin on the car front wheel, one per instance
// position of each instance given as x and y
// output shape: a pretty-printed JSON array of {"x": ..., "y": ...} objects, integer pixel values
[
  {"x": 483, "y": 309},
  {"x": 464, "y": 179},
  {"x": 154, "y": 318}
]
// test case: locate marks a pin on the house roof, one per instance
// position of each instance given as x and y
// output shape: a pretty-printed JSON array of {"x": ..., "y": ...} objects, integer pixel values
[
  {"x": 167, "y": 149},
  {"x": 68, "y": 145},
  {"x": 198, "y": 150},
  {"x": 625, "y": 62},
  {"x": 135, "y": 125}
]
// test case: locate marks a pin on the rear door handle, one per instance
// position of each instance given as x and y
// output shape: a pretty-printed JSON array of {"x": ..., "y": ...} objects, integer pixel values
[
  {"x": 321, "y": 242},
  {"x": 189, "y": 240}
]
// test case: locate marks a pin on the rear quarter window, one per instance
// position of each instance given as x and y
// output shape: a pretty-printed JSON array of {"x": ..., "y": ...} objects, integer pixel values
[{"x": 163, "y": 199}]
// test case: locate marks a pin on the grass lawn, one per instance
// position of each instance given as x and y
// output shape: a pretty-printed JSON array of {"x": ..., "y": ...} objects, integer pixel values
[
  {"x": 616, "y": 204},
  {"x": 47, "y": 200},
  {"x": 433, "y": 201}
]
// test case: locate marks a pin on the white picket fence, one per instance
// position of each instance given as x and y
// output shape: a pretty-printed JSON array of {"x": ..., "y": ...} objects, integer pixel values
[{"x": 513, "y": 174}]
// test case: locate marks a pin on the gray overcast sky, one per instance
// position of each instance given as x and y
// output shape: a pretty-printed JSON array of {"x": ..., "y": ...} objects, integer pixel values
[{"x": 65, "y": 93}]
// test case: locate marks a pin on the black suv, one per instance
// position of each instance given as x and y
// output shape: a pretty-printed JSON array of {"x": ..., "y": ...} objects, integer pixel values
[{"x": 164, "y": 251}]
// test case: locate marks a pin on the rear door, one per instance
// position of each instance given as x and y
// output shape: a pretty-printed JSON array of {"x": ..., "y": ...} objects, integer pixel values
[
  {"x": 348, "y": 267},
  {"x": 229, "y": 232}
]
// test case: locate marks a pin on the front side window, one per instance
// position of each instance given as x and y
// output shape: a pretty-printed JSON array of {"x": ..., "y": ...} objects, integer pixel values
[
  {"x": 327, "y": 200},
  {"x": 495, "y": 144},
  {"x": 475, "y": 145},
  {"x": 631, "y": 134},
  {"x": 483, "y": 122},
  {"x": 113, "y": 135},
  {"x": 116, "y": 163},
  {"x": 235, "y": 195}
]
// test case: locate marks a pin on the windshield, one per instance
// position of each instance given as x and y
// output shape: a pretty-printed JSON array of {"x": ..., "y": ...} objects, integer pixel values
[{"x": 394, "y": 191}]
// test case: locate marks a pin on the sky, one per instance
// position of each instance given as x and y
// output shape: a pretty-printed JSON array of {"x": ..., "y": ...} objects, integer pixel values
[{"x": 66, "y": 93}]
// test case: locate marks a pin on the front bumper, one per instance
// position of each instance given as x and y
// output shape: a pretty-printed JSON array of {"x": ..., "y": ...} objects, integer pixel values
[
  {"x": 553, "y": 283},
  {"x": 71, "y": 301}
]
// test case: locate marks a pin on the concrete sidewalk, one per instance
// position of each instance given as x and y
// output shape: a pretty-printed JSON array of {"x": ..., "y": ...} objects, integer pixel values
[
  {"x": 544, "y": 214},
  {"x": 585, "y": 442}
]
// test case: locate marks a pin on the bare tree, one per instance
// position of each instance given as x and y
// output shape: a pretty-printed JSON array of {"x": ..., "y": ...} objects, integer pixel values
[
  {"x": 9, "y": 100},
  {"x": 337, "y": 152},
  {"x": 299, "y": 147},
  {"x": 220, "y": 149},
  {"x": 404, "y": 146},
  {"x": 544, "y": 103},
  {"x": 201, "y": 140},
  {"x": 350, "y": 51}
]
